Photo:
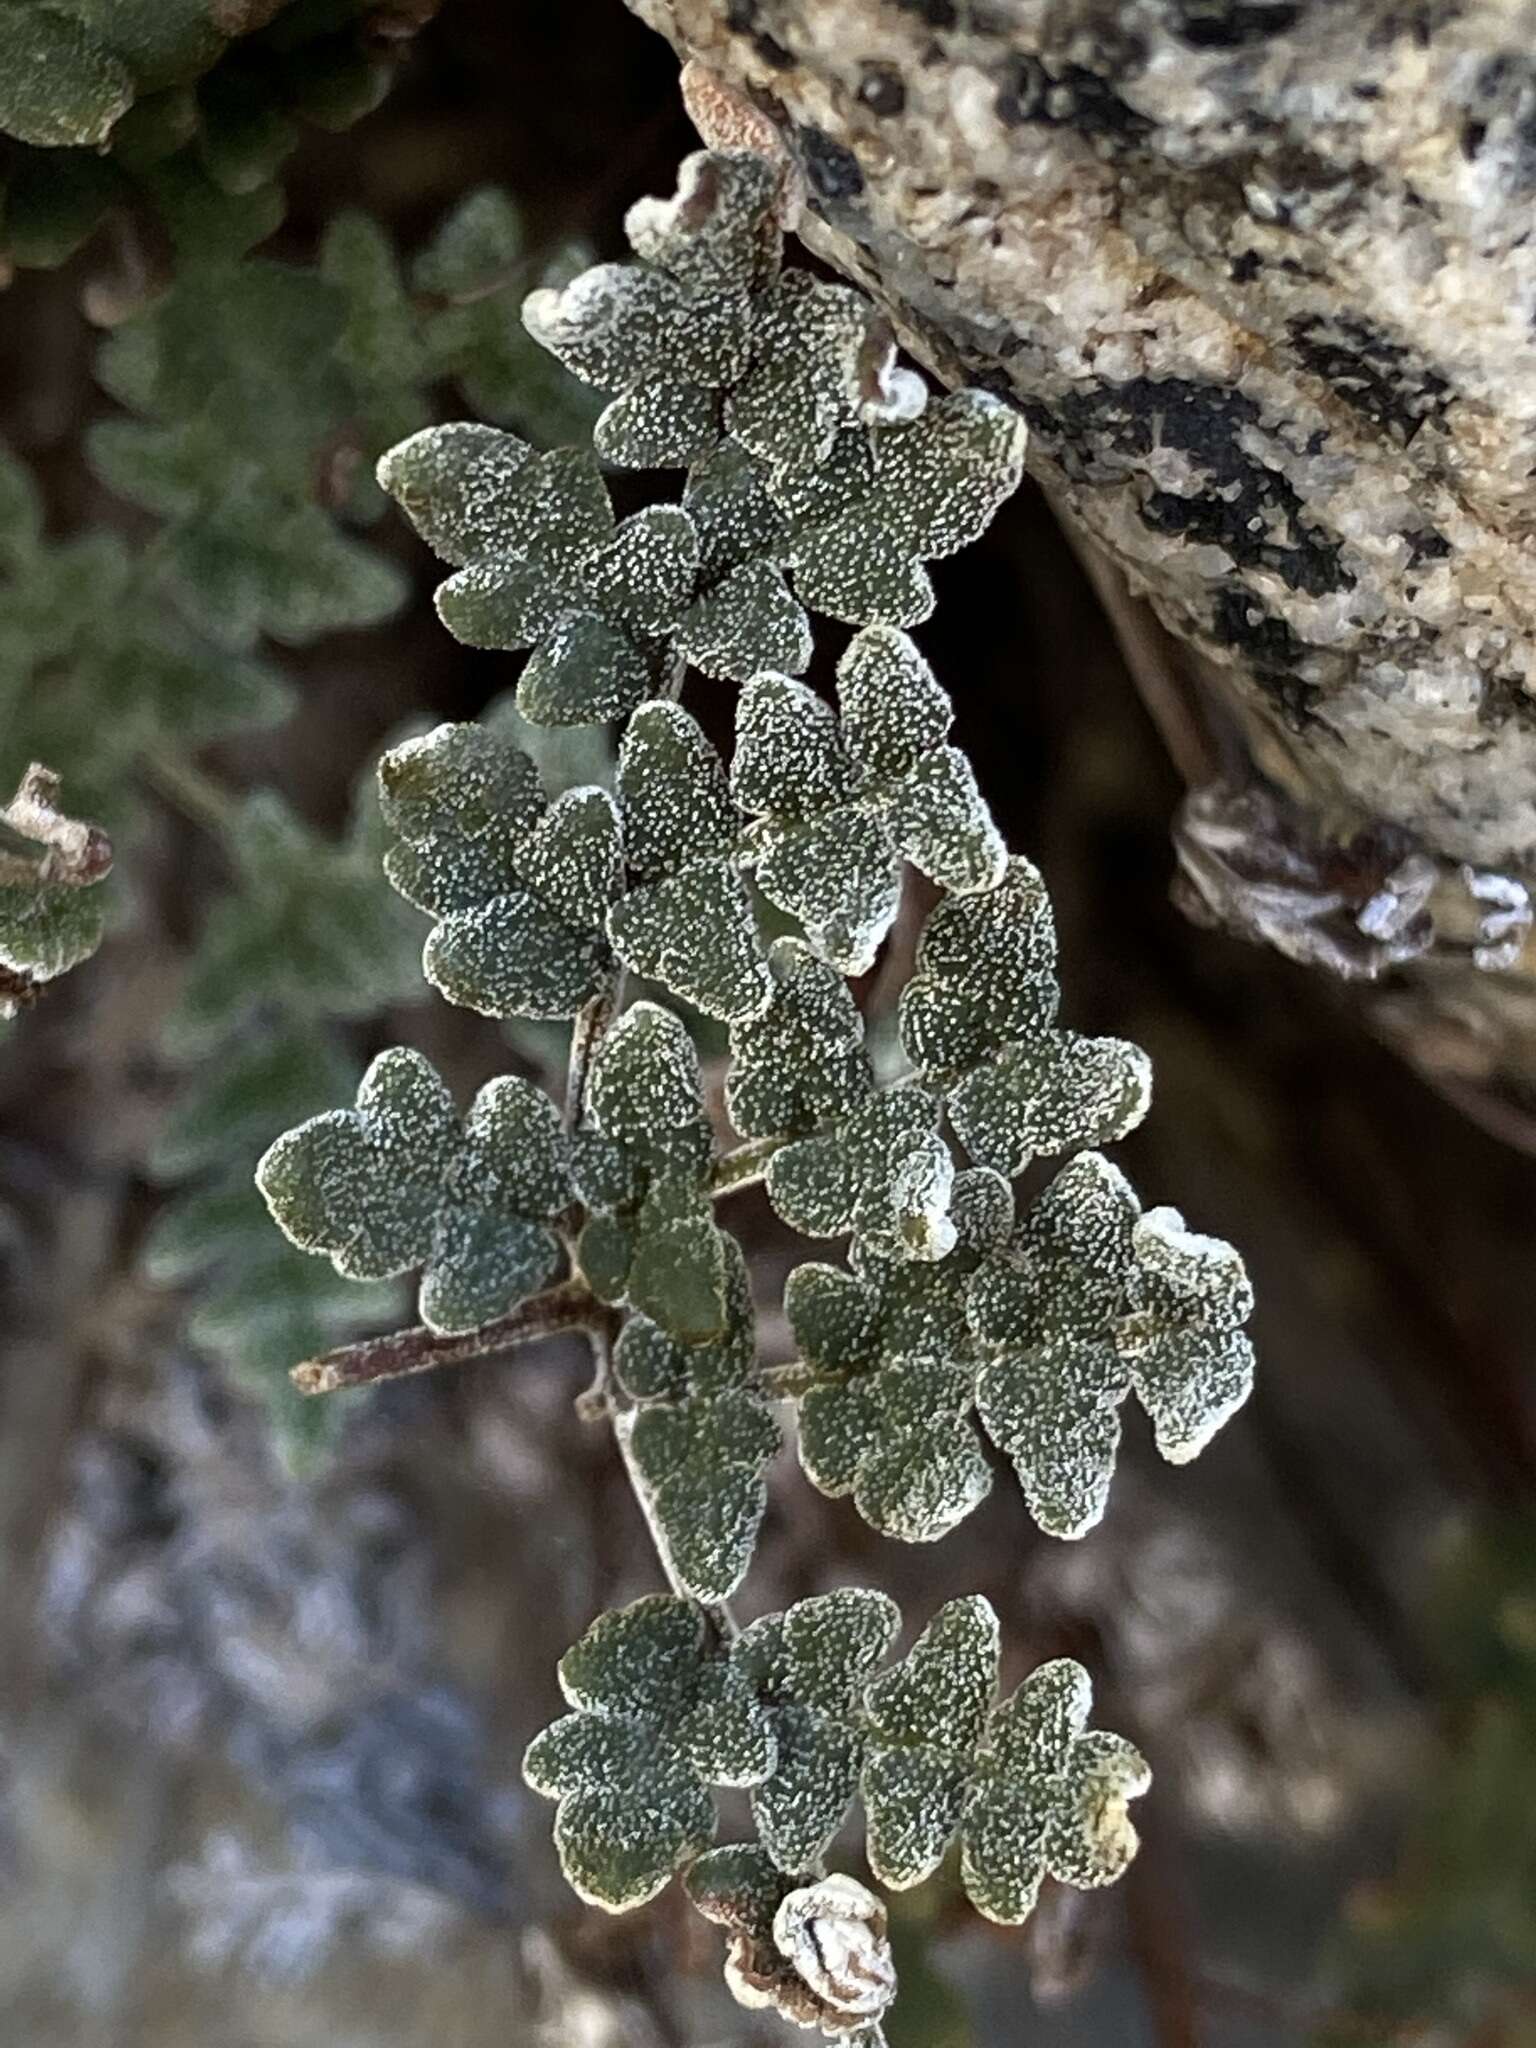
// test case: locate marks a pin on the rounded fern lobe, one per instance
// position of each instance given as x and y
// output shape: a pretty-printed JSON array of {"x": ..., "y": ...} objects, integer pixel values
[
  {"x": 618, "y": 1854},
  {"x": 60, "y": 84},
  {"x": 298, "y": 1173},
  {"x": 403, "y": 1181},
  {"x": 512, "y": 958},
  {"x": 926, "y": 1478},
  {"x": 47, "y": 930},
  {"x": 520, "y": 885}
]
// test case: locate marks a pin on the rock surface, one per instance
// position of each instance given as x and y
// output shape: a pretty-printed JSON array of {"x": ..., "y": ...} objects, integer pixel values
[{"x": 1262, "y": 276}]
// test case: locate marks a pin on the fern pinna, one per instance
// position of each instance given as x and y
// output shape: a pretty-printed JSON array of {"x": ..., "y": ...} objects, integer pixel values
[{"x": 819, "y": 477}]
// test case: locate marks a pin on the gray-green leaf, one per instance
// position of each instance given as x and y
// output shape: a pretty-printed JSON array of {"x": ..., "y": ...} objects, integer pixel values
[
  {"x": 402, "y": 1181},
  {"x": 658, "y": 1717},
  {"x": 1091, "y": 1300},
  {"x": 841, "y": 801},
  {"x": 520, "y": 887}
]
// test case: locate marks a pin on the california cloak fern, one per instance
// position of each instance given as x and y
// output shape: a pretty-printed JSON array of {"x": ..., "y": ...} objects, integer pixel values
[{"x": 820, "y": 478}]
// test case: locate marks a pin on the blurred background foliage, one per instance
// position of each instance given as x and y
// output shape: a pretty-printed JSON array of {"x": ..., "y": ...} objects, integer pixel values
[{"x": 268, "y": 1667}]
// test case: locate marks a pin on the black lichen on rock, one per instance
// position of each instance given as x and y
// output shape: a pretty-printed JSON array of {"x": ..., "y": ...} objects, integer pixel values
[
  {"x": 831, "y": 168},
  {"x": 1382, "y": 379},
  {"x": 1234, "y": 24},
  {"x": 1248, "y": 508},
  {"x": 1069, "y": 96}
]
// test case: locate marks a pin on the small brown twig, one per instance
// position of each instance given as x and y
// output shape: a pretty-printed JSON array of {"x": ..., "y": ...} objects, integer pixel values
[
  {"x": 569, "y": 1306},
  {"x": 786, "y": 1382},
  {"x": 744, "y": 1166},
  {"x": 587, "y": 1033}
]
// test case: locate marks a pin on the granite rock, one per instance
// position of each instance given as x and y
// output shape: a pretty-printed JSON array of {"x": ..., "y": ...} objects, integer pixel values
[{"x": 1261, "y": 275}]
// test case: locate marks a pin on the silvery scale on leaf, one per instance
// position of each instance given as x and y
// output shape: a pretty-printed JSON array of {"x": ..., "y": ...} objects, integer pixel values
[{"x": 819, "y": 477}]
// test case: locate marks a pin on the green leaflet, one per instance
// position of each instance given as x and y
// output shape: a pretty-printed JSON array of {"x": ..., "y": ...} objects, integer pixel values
[
  {"x": 866, "y": 1164},
  {"x": 658, "y": 1717},
  {"x": 94, "y": 685},
  {"x": 541, "y": 565},
  {"x": 798, "y": 1711},
  {"x": 927, "y": 1716},
  {"x": 883, "y": 1176},
  {"x": 1191, "y": 1365},
  {"x": 870, "y": 1165},
  {"x": 810, "y": 1666},
  {"x": 58, "y": 83},
  {"x": 671, "y": 335},
  {"x": 44, "y": 931},
  {"x": 978, "y": 1019},
  {"x": 812, "y": 374},
  {"x": 887, "y": 1417},
  {"x": 646, "y": 1107},
  {"x": 1023, "y": 1786},
  {"x": 687, "y": 921},
  {"x": 51, "y": 866},
  {"x": 817, "y": 473},
  {"x": 1092, "y": 1300},
  {"x": 743, "y": 617},
  {"x": 780, "y": 394},
  {"x": 842, "y": 801},
  {"x": 240, "y": 376},
  {"x": 801, "y": 1062},
  {"x": 917, "y": 490},
  {"x": 701, "y": 1438},
  {"x": 263, "y": 394},
  {"x": 1039, "y": 1339},
  {"x": 642, "y": 1161},
  {"x": 1048, "y": 1797},
  {"x": 519, "y": 885},
  {"x": 985, "y": 974},
  {"x": 402, "y": 1181}
]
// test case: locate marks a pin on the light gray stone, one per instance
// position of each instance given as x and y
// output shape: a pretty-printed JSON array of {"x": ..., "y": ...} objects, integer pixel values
[{"x": 1262, "y": 276}]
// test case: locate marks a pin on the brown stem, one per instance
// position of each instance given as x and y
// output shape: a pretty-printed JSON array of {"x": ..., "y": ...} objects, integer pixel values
[
  {"x": 744, "y": 1166},
  {"x": 570, "y": 1306},
  {"x": 1160, "y": 1946},
  {"x": 592, "y": 1021},
  {"x": 787, "y": 1382}
]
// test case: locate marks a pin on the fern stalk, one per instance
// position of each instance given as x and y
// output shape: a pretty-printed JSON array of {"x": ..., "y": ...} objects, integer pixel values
[{"x": 569, "y": 1306}]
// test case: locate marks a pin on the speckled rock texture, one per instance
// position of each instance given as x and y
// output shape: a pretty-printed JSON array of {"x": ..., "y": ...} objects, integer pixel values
[{"x": 1261, "y": 274}]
